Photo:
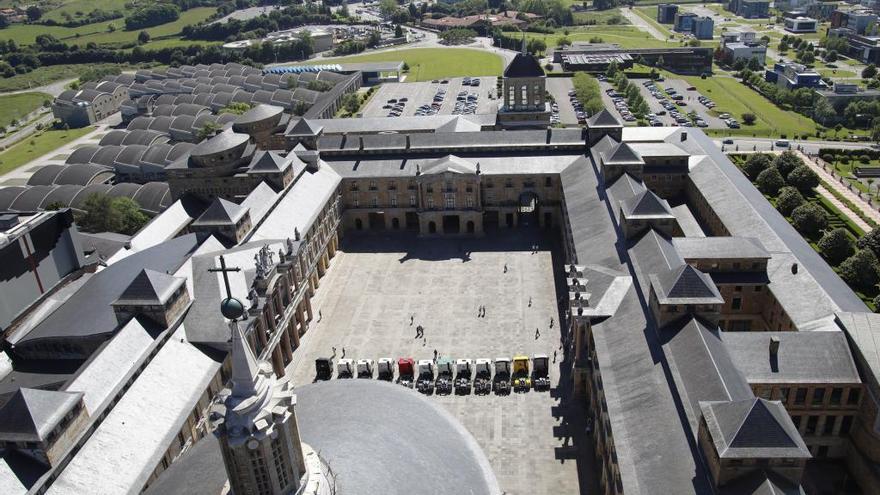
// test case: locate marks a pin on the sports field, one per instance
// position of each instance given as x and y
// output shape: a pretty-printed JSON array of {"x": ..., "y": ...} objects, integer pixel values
[{"x": 426, "y": 64}]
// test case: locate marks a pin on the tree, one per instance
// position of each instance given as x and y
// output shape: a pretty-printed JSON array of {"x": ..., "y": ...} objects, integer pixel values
[
  {"x": 105, "y": 214},
  {"x": 33, "y": 13},
  {"x": 836, "y": 246},
  {"x": 749, "y": 118},
  {"x": 789, "y": 198},
  {"x": 755, "y": 64},
  {"x": 823, "y": 112},
  {"x": 207, "y": 130},
  {"x": 869, "y": 72},
  {"x": 770, "y": 181},
  {"x": 870, "y": 241},
  {"x": 755, "y": 164},
  {"x": 387, "y": 7},
  {"x": 398, "y": 31},
  {"x": 351, "y": 103},
  {"x": 536, "y": 46},
  {"x": 803, "y": 179},
  {"x": 786, "y": 162},
  {"x": 143, "y": 37},
  {"x": 831, "y": 56},
  {"x": 809, "y": 219},
  {"x": 563, "y": 41},
  {"x": 860, "y": 270},
  {"x": 612, "y": 69}
]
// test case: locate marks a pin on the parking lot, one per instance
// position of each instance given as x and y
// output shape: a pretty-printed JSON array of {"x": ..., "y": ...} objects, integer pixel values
[
  {"x": 534, "y": 440},
  {"x": 559, "y": 88},
  {"x": 672, "y": 104},
  {"x": 406, "y": 99}
]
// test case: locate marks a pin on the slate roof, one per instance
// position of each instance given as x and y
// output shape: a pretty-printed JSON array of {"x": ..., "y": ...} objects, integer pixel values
[
  {"x": 761, "y": 483},
  {"x": 720, "y": 248},
  {"x": 450, "y": 163},
  {"x": 802, "y": 357},
  {"x": 31, "y": 414},
  {"x": 753, "y": 428},
  {"x": 303, "y": 127},
  {"x": 221, "y": 212},
  {"x": 258, "y": 113},
  {"x": 646, "y": 205},
  {"x": 224, "y": 141},
  {"x": 622, "y": 154},
  {"x": 269, "y": 162},
  {"x": 524, "y": 65},
  {"x": 150, "y": 287},
  {"x": 863, "y": 331},
  {"x": 603, "y": 119},
  {"x": 685, "y": 285}
]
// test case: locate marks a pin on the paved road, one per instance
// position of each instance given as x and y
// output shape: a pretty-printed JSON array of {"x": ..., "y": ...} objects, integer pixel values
[
  {"x": 642, "y": 24},
  {"x": 26, "y": 131},
  {"x": 54, "y": 89},
  {"x": 766, "y": 144},
  {"x": 559, "y": 88}
]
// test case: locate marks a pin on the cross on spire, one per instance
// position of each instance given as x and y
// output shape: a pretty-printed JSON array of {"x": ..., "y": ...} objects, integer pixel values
[{"x": 225, "y": 272}]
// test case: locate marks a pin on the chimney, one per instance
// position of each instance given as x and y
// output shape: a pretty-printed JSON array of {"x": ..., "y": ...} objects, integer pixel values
[
  {"x": 407, "y": 141},
  {"x": 774, "y": 346},
  {"x": 361, "y": 141},
  {"x": 794, "y": 268},
  {"x": 684, "y": 136},
  {"x": 549, "y": 133}
]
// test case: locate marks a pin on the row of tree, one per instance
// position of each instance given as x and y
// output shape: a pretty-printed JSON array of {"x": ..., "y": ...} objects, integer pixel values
[
  {"x": 586, "y": 87},
  {"x": 791, "y": 183}
]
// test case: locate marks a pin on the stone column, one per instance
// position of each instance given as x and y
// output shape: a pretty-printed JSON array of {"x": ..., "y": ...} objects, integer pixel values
[
  {"x": 277, "y": 362},
  {"x": 293, "y": 331},
  {"x": 285, "y": 346}
]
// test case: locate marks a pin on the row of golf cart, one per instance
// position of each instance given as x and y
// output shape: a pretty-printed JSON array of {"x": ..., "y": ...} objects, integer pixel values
[{"x": 446, "y": 376}]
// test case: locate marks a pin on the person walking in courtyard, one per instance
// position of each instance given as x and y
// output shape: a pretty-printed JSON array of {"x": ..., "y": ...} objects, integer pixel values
[
  {"x": 320, "y": 316},
  {"x": 551, "y": 322},
  {"x": 530, "y": 301},
  {"x": 343, "y": 352},
  {"x": 412, "y": 318},
  {"x": 505, "y": 268},
  {"x": 334, "y": 350},
  {"x": 537, "y": 333},
  {"x": 435, "y": 355}
]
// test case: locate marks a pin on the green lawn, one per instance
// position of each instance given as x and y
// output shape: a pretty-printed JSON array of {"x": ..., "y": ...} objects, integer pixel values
[
  {"x": 426, "y": 64},
  {"x": 99, "y": 33},
  {"x": 47, "y": 75},
  {"x": 731, "y": 96},
  {"x": 599, "y": 17},
  {"x": 625, "y": 36},
  {"x": 17, "y": 106},
  {"x": 23, "y": 152}
]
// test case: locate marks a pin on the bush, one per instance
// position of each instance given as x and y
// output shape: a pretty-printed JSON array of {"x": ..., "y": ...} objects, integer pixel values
[
  {"x": 770, "y": 181},
  {"x": 786, "y": 162},
  {"x": 105, "y": 214},
  {"x": 152, "y": 15},
  {"x": 755, "y": 164},
  {"x": 803, "y": 179},
  {"x": 870, "y": 241},
  {"x": 860, "y": 270},
  {"x": 809, "y": 219},
  {"x": 789, "y": 199},
  {"x": 836, "y": 246},
  {"x": 749, "y": 118},
  {"x": 865, "y": 159}
]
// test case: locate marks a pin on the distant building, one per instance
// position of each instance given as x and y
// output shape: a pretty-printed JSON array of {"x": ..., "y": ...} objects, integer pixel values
[
  {"x": 14, "y": 14},
  {"x": 856, "y": 20},
  {"x": 595, "y": 57},
  {"x": 793, "y": 76},
  {"x": 666, "y": 13},
  {"x": 700, "y": 27},
  {"x": 842, "y": 95},
  {"x": 801, "y": 24},
  {"x": 861, "y": 47},
  {"x": 822, "y": 10},
  {"x": 742, "y": 46},
  {"x": 92, "y": 103},
  {"x": 482, "y": 23},
  {"x": 750, "y": 9},
  {"x": 322, "y": 39}
]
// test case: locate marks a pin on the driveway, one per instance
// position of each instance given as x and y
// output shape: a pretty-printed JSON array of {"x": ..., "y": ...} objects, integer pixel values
[{"x": 559, "y": 88}]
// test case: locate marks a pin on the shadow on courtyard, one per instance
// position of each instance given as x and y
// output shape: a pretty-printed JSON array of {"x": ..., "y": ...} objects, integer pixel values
[{"x": 569, "y": 409}]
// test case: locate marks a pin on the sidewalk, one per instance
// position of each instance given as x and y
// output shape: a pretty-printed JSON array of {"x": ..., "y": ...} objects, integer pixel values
[{"x": 834, "y": 182}]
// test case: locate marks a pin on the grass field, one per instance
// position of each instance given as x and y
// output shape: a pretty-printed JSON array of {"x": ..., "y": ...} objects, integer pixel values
[
  {"x": 17, "y": 106},
  {"x": 23, "y": 152},
  {"x": 625, "y": 36},
  {"x": 599, "y": 17},
  {"x": 733, "y": 97},
  {"x": 426, "y": 64},
  {"x": 99, "y": 32},
  {"x": 47, "y": 75}
]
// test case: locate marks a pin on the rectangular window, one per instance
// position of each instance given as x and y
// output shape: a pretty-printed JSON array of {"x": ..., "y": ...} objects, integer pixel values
[
  {"x": 392, "y": 186},
  {"x": 853, "y": 398},
  {"x": 450, "y": 201},
  {"x": 736, "y": 304},
  {"x": 412, "y": 199},
  {"x": 430, "y": 201},
  {"x": 470, "y": 201},
  {"x": 373, "y": 185},
  {"x": 758, "y": 288},
  {"x": 845, "y": 425},
  {"x": 829, "y": 425},
  {"x": 737, "y": 288},
  {"x": 800, "y": 397},
  {"x": 812, "y": 423},
  {"x": 356, "y": 202},
  {"x": 375, "y": 201},
  {"x": 818, "y": 396},
  {"x": 797, "y": 421},
  {"x": 836, "y": 396},
  {"x": 783, "y": 395},
  {"x": 394, "y": 201}
]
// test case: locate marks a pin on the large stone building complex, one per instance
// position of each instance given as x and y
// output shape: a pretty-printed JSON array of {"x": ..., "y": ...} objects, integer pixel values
[{"x": 717, "y": 351}]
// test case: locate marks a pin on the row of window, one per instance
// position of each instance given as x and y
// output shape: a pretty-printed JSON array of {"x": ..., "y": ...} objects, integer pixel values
[
  {"x": 812, "y": 424},
  {"x": 837, "y": 397}
]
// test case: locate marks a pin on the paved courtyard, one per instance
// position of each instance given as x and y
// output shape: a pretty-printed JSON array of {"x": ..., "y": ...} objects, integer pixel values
[{"x": 376, "y": 283}]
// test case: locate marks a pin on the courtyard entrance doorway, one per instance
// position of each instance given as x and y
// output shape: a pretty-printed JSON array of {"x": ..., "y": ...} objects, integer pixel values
[
  {"x": 528, "y": 209},
  {"x": 377, "y": 220},
  {"x": 451, "y": 224}
]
